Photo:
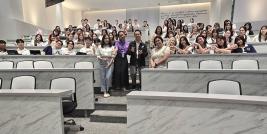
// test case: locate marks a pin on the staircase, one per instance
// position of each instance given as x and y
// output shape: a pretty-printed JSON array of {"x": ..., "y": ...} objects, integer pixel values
[{"x": 112, "y": 109}]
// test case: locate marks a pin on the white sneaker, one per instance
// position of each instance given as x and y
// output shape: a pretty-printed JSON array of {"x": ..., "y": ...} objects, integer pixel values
[{"x": 106, "y": 95}]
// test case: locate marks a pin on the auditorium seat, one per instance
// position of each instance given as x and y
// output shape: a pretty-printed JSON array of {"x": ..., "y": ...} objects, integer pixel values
[
  {"x": 224, "y": 87},
  {"x": 245, "y": 64},
  {"x": 6, "y": 65},
  {"x": 210, "y": 64},
  {"x": 25, "y": 65},
  {"x": 23, "y": 82},
  {"x": 69, "y": 102},
  {"x": 43, "y": 65},
  {"x": 177, "y": 65},
  {"x": 84, "y": 65}
]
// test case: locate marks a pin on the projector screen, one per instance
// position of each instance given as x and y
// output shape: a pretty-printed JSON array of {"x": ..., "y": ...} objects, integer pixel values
[
  {"x": 49, "y": 3},
  {"x": 253, "y": 11}
]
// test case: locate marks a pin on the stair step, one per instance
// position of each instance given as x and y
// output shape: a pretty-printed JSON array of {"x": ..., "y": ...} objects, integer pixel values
[
  {"x": 111, "y": 100},
  {"x": 114, "y": 103},
  {"x": 119, "y": 92},
  {"x": 109, "y": 116},
  {"x": 113, "y": 107}
]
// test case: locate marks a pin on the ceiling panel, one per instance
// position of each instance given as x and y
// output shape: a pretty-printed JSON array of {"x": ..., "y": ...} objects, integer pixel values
[{"x": 96, "y": 5}]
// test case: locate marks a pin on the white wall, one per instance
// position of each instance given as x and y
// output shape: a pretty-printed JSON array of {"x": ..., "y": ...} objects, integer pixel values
[
  {"x": 35, "y": 13},
  {"x": 7, "y": 14},
  {"x": 198, "y": 11},
  {"x": 16, "y": 9},
  {"x": 71, "y": 17},
  {"x": 109, "y": 15},
  {"x": 151, "y": 15},
  {"x": 250, "y": 11},
  {"x": 141, "y": 14},
  {"x": 220, "y": 10},
  {"x": 24, "y": 17}
]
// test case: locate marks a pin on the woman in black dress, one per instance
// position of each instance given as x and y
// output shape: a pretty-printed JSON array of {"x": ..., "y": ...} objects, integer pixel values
[{"x": 121, "y": 78}]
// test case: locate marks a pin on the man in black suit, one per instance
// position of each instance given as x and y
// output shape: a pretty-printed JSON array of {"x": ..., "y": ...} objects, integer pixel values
[{"x": 138, "y": 52}]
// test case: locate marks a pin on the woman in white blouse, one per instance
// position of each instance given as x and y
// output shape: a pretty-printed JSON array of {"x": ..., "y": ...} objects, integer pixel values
[
  {"x": 200, "y": 47},
  {"x": 262, "y": 36},
  {"x": 159, "y": 54},
  {"x": 105, "y": 55},
  {"x": 70, "y": 49},
  {"x": 38, "y": 41}
]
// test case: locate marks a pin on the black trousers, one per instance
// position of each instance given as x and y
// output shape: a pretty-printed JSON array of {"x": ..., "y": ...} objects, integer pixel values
[{"x": 121, "y": 78}]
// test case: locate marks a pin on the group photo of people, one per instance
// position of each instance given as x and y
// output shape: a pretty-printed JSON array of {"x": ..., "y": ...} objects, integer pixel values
[{"x": 120, "y": 57}]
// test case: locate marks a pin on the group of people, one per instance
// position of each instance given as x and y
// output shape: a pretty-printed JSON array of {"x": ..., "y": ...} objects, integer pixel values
[
  {"x": 111, "y": 48},
  {"x": 112, "y": 57},
  {"x": 174, "y": 38},
  {"x": 113, "y": 60}
]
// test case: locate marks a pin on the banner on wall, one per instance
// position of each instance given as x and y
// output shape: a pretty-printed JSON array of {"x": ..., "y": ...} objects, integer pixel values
[{"x": 198, "y": 11}]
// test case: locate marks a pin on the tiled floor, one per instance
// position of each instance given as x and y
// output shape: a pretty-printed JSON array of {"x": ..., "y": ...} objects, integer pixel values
[{"x": 99, "y": 128}]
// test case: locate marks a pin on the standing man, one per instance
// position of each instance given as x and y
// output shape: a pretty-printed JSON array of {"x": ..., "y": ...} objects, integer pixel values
[{"x": 138, "y": 52}]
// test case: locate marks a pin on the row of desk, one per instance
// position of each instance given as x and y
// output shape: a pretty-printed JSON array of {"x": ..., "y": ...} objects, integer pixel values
[
  {"x": 67, "y": 61},
  {"x": 83, "y": 78},
  {"x": 27, "y": 111},
  {"x": 253, "y": 82},
  {"x": 58, "y": 61},
  {"x": 260, "y": 47},
  {"x": 176, "y": 101},
  {"x": 150, "y": 112}
]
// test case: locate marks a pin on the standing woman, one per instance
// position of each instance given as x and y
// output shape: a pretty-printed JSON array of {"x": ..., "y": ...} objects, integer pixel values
[
  {"x": 105, "y": 55},
  {"x": 159, "y": 54},
  {"x": 121, "y": 78}
]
